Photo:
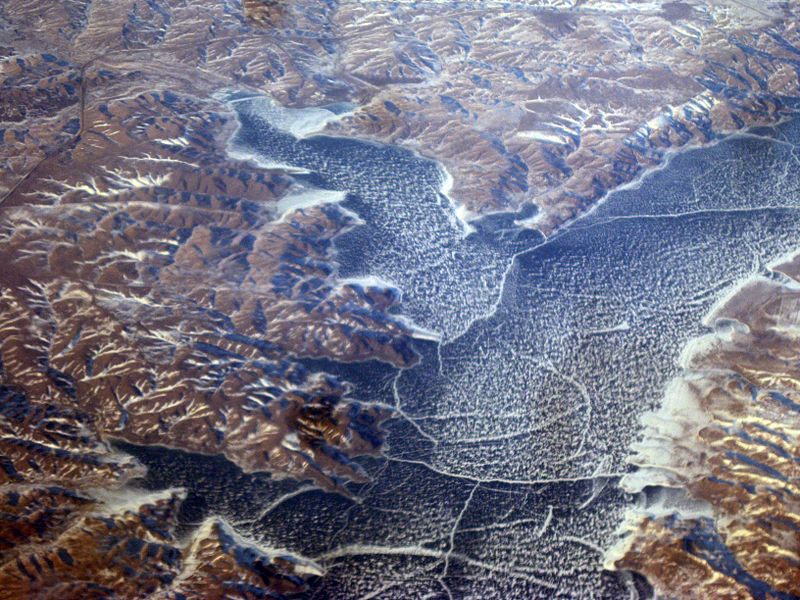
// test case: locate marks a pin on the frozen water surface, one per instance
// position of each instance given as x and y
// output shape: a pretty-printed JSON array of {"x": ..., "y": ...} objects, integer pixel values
[{"x": 500, "y": 476}]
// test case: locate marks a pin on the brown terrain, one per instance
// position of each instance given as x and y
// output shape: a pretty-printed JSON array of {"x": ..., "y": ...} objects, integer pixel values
[
  {"x": 728, "y": 439},
  {"x": 169, "y": 302},
  {"x": 69, "y": 548},
  {"x": 149, "y": 292},
  {"x": 544, "y": 102},
  {"x": 556, "y": 107}
]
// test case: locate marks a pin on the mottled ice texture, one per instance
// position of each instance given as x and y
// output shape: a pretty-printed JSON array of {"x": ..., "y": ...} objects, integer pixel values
[{"x": 414, "y": 349}]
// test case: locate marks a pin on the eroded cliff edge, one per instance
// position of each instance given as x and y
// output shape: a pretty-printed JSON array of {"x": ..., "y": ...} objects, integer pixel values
[{"x": 718, "y": 466}]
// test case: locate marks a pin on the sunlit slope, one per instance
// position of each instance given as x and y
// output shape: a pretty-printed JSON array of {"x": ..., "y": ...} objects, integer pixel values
[{"x": 719, "y": 462}]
